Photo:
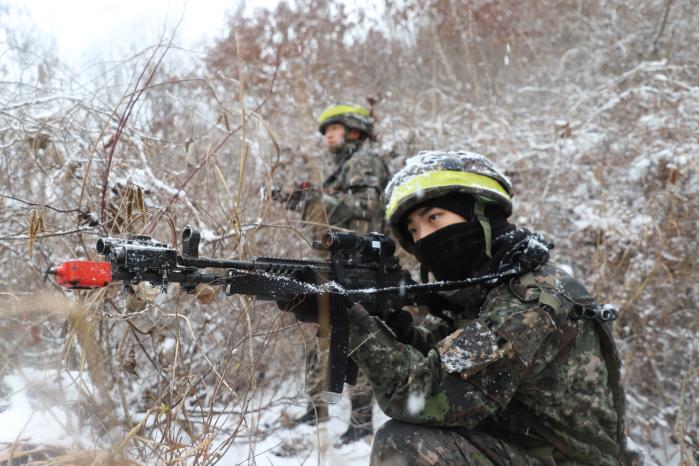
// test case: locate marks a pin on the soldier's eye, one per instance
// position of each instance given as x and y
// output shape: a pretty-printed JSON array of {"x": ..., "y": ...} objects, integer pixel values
[{"x": 433, "y": 217}]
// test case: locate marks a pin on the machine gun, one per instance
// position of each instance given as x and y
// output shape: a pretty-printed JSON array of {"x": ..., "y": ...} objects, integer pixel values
[
  {"x": 358, "y": 266},
  {"x": 362, "y": 269}
]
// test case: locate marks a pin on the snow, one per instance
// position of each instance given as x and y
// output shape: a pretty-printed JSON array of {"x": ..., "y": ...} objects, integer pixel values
[
  {"x": 588, "y": 217},
  {"x": 619, "y": 195},
  {"x": 168, "y": 345},
  {"x": 40, "y": 408},
  {"x": 305, "y": 443},
  {"x": 415, "y": 403},
  {"x": 40, "y": 411},
  {"x": 639, "y": 167},
  {"x": 641, "y": 220},
  {"x": 567, "y": 269},
  {"x": 426, "y": 161}
]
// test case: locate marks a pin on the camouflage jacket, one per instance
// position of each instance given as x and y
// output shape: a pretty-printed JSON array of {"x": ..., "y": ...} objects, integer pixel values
[
  {"x": 351, "y": 197},
  {"x": 518, "y": 367}
]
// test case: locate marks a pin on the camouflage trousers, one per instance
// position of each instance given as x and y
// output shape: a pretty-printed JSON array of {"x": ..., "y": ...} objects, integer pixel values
[{"x": 401, "y": 444}]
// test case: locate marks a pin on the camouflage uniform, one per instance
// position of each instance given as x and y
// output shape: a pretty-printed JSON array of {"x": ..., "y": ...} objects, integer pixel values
[
  {"x": 351, "y": 197},
  {"x": 517, "y": 381},
  {"x": 351, "y": 200}
]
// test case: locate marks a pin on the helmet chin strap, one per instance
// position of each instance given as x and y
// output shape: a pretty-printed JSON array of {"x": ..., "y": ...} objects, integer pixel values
[{"x": 479, "y": 210}]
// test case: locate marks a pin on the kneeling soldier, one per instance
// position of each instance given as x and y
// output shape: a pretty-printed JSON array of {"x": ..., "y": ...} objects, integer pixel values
[{"x": 520, "y": 371}]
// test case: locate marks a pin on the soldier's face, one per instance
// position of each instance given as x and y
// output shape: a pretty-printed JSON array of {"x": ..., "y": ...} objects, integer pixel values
[
  {"x": 334, "y": 135},
  {"x": 426, "y": 220}
]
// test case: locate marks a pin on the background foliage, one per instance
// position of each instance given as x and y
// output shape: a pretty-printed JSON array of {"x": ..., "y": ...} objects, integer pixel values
[{"x": 591, "y": 107}]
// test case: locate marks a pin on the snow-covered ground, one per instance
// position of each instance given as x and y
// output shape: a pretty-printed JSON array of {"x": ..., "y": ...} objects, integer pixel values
[
  {"x": 599, "y": 137},
  {"x": 305, "y": 444},
  {"x": 38, "y": 410},
  {"x": 38, "y": 413}
]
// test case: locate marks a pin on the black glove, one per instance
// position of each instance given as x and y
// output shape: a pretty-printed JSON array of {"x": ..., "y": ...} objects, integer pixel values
[
  {"x": 401, "y": 323},
  {"x": 305, "y": 308}
]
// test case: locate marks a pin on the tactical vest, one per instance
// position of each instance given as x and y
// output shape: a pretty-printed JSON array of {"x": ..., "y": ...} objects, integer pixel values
[{"x": 530, "y": 288}]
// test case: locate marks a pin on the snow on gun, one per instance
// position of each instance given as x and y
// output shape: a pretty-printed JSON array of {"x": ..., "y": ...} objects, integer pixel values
[
  {"x": 138, "y": 258},
  {"x": 358, "y": 264}
]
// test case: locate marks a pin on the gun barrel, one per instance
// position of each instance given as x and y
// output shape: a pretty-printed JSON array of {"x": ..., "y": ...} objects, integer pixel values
[{"x": 105, "y": 245}]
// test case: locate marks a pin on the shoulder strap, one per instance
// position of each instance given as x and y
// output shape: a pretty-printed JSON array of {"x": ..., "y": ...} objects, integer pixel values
[
  {"x": 610, "y": 354},
  {"x": 613, "y": 362},
  {"x": 519, "y": 286},
  {"x": 340, "y": 166},
  {"x": 333, "y": 176}
]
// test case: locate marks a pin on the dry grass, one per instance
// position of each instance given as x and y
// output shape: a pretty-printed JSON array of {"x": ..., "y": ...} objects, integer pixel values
[{"x": 600, "y": 144}]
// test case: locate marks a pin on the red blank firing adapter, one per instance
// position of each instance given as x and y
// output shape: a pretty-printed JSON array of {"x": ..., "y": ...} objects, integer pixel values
[{"x": 83, "y": 274}]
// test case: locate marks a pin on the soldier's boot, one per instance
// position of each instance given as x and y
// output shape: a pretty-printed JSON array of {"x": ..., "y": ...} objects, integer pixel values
[
  {"x": 315, "y": 415},
  {"x": 354, "y": 433},
  {"x": 360, "y": 425}
]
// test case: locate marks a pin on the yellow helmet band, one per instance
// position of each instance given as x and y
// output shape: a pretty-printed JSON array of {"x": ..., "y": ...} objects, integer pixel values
[
  {"x": 338, "y": 110},
  {"x": 439, "y": 179}
]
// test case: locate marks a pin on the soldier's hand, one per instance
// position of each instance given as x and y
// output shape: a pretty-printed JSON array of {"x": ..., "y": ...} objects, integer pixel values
[
  {"x": 401, "y": 323},
  {"x": 359, "y": 318},
  {"x": 296, "y": 198},
  {"x": 277, "y": 194},
  {"x": 304, "y": 308}
]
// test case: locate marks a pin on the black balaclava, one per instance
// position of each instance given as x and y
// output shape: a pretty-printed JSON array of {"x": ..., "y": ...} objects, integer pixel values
[{"x": 458, "y": 251}]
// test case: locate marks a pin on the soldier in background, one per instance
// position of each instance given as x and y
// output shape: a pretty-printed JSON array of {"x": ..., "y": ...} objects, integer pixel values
[
  {"x": 522, "y": 370},
  {"x": 350, "y": 199}
]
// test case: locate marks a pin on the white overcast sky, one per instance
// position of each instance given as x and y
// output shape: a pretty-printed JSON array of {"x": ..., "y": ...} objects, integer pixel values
[{"x": 85, "y": 30}]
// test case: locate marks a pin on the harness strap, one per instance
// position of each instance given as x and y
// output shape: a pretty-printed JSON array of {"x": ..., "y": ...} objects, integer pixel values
[
  {"x": 340, "y": 166},
  {"x": 613, "y": 363},
  {"x": 479, "y": 210}
]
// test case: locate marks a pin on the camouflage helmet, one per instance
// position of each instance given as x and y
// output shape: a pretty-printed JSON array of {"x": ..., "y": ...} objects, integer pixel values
[
  {"x": 352, "y": 116},
  {"x": 433, "y": 174}
]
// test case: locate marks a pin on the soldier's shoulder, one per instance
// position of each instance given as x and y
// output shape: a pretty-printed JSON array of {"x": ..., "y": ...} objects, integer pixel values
[
  {"x": 555, "y": 279},
  {"x": 368, "y": 151},
  {"x": 368, "y": 158},
  {"x": 550, "y": 288},
  {"x": 555, "y": 290}
]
